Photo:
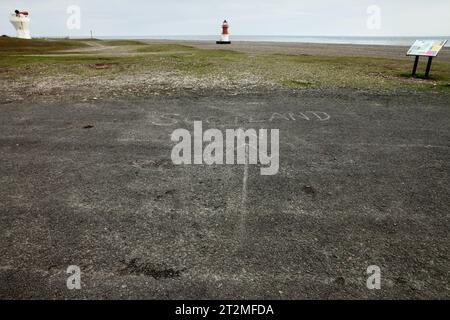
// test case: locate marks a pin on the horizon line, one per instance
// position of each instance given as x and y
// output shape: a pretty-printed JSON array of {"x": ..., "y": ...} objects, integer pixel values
[{"x": 252, "y": 35}]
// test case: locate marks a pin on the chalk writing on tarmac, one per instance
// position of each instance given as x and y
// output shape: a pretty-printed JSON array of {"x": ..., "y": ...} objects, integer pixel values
[{"x": 171, "y": 119}]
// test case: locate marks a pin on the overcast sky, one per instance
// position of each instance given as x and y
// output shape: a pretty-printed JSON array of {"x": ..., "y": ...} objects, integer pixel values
[{"x": 247, "y": 17}]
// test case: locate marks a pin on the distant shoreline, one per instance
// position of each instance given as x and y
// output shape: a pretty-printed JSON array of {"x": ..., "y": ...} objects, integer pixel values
[
  {"x": 291, "y": 48},
  {"x": 384, "y": 41},
  {"x": 344, "y": 40},
  {"x": 309, "y": 49}
]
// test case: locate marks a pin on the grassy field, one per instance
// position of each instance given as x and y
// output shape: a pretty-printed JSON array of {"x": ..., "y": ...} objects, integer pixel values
[
  {"x": 14, "y": 46},
  {"x": 36, "y": 60}
]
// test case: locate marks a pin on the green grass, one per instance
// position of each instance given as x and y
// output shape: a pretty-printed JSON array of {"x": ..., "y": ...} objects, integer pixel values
[
  {"x": 118, "y": 43},
  {"x": 22, "y": 58},
  {"x": 350, "y": 72},
  {"x": 164, "y": 48},
  {"x": 10, "y": 46}
]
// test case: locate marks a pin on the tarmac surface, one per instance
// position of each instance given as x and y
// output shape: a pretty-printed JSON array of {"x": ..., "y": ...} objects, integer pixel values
[{"x": 363, "y": 180}]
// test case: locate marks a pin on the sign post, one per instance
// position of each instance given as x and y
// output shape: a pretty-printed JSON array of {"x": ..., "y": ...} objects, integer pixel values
[
  {"x": 425, "y": 48},
  {"x": 416, "y": 63},
  {"x": 427, "y": 72}
]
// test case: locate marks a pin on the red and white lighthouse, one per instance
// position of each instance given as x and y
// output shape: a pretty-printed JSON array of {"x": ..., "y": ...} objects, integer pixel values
[{"x": 225, "y": 37}]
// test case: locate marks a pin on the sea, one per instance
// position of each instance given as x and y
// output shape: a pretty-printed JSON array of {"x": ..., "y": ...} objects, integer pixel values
[{"x": 390, "y": 41}]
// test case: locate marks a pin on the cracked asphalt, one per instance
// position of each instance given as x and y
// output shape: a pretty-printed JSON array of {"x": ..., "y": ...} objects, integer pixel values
[{"x": 363, "y": 180}]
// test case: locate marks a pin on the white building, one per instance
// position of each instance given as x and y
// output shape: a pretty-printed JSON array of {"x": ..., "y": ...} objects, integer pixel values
[{"x": 21, "y": 23}]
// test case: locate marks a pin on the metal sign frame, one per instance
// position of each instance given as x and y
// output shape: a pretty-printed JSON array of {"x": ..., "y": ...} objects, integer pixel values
[{"x": 425, "y": 48}]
